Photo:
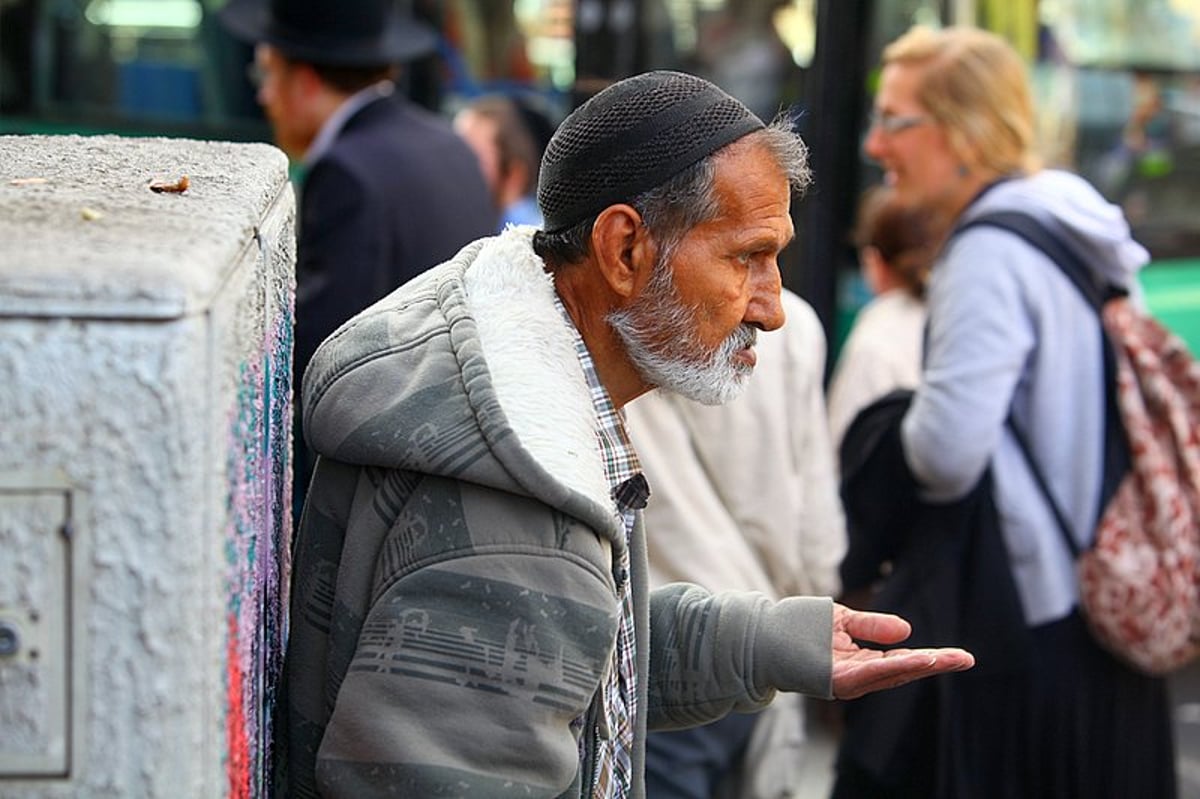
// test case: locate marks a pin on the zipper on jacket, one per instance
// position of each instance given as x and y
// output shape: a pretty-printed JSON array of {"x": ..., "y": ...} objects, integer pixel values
[
  {"x": 595, "y": 780},
  {"x": 591, "y": 766}
]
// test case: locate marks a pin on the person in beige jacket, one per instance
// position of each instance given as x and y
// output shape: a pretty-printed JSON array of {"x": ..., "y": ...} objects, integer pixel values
[{"x": 745, "y": 498}]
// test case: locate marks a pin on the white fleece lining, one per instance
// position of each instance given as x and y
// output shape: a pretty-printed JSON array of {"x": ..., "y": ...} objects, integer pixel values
[{"x": 530, "y": 352}]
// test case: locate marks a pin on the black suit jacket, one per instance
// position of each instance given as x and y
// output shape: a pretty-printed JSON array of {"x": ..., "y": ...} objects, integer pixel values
[{"x": 397, "y": 193}]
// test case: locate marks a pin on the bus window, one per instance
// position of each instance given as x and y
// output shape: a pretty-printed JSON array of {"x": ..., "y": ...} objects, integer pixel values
[
  {"x": 168, "y": 67},
  {"x": 523, "y": 47},
  {"x": 133, "y": 66},
  {"x": 1118, "y": 92}
]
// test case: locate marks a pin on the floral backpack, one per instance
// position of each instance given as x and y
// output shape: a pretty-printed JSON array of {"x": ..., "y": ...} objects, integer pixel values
[{"x": 1140, "y": 580}]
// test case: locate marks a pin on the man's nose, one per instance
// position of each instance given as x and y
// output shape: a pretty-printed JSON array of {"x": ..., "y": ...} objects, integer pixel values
[{"x": 766, "y": 308}]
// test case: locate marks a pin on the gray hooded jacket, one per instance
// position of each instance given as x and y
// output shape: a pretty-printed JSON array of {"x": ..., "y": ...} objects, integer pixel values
[{"x": 453, "y": 603}]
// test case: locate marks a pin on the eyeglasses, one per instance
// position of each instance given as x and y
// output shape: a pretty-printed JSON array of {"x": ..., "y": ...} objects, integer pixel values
[{"x": 892, "y": 124}]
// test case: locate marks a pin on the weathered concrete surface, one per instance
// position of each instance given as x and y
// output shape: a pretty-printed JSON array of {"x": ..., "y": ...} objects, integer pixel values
[
  {"x": 145, "y": 392},
  {"x": 146, "y": 254}
]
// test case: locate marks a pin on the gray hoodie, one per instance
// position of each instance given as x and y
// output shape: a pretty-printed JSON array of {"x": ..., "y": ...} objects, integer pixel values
[
  {"x": 1007, "y": 330},
  {"x": 454, "y": 604}
]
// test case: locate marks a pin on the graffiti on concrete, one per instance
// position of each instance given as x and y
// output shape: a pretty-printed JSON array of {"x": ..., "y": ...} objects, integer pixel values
[{"x": 257, "y": 544}]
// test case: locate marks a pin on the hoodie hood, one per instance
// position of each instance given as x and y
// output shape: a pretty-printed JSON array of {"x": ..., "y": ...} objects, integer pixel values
[
  {"x": 468, "y": 372},
  {"x": 1097, "y": 226}
]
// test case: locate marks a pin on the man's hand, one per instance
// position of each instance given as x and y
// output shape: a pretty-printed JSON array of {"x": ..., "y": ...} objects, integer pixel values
[{"x": 858, "y": 671}]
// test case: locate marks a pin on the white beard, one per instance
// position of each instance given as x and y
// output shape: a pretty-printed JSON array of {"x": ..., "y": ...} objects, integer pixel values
[{"x": 659, "y": 334}]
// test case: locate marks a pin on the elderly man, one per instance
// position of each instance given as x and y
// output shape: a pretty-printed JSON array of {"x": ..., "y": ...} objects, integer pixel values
[{"x": 470, "y": 606}]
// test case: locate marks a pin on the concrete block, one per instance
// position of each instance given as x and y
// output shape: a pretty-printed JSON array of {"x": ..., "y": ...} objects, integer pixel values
[{"x": 145, "y": 475}]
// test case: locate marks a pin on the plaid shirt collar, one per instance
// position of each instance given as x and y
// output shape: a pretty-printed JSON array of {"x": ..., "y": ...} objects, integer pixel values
[{"x": 621, "y": 467}]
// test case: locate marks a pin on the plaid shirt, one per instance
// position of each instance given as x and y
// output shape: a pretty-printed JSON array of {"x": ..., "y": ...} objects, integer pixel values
[{"x": 614, "y": 767}]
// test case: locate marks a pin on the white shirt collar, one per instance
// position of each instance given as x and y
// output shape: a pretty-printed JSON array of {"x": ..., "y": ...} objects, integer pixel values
[{"x": 337, "y": 120}]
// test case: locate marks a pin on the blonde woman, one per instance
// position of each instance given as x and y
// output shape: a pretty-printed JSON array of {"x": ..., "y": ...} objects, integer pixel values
[{"x": 1053, "y": 715}]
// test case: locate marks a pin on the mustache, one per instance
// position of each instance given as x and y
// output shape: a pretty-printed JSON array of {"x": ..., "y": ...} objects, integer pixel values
[{"x": 746, "y": 335}]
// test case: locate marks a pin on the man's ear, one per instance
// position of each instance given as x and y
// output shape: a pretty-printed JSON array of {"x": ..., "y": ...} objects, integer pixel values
[{"x": 623, "y": 249}]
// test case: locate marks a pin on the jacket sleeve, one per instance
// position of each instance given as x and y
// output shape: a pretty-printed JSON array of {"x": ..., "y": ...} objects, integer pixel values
[{"x": 717, "y": 653}]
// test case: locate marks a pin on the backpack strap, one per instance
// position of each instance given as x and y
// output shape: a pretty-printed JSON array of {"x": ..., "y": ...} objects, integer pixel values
[
  {"x": 1064, "y": 526},
  {"x": 1054, "y": 246}
]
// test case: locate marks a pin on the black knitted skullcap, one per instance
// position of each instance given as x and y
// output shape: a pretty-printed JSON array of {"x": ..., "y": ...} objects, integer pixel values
[{"x": 632, "y": 137}]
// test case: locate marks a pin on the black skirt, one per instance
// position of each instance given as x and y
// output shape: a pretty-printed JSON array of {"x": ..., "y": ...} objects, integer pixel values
[{"x": 1076, "y": 724}]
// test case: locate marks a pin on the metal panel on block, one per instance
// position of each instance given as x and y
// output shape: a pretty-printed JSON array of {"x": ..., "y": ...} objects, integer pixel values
[{"x": 37, "y": 574}]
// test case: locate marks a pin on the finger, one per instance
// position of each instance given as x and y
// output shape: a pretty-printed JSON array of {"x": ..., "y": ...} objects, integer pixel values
[
  {"x": 854, "y": 678},
  {"x": 882, "y": 628}
]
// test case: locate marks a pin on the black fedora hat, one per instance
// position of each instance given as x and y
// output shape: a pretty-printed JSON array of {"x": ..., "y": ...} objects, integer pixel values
[{"x": 336, "y": 33}]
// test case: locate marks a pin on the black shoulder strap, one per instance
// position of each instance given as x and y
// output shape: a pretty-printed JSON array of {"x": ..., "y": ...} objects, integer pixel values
[{"x": 1064, "y": 526}]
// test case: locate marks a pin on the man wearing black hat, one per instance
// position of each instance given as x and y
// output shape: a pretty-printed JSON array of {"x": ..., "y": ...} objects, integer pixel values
[
  {"x": 388, "y": 189},
  {"x": 470, "y": 613}
]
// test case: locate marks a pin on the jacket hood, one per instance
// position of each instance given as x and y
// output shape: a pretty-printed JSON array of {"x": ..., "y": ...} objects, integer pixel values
[
  {"x": 469, "y": 371},
  {"x": 1097, "y": 226}
]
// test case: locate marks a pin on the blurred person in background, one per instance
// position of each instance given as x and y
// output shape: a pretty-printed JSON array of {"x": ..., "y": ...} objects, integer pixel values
[
  {"x": 387, "y": 189},
  {"x": 745, "y": 498},
  {"x": 508, "y": 135},
  {"x": 896, "y": 246},
  {"x": 739, "y": 49}
]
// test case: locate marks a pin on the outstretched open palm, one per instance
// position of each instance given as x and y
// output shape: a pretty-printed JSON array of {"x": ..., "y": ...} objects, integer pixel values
[{"x": 858, "y": 670}]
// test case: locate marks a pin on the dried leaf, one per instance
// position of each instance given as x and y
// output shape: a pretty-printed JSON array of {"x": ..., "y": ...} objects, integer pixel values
[{"x": 163, "y": 187}]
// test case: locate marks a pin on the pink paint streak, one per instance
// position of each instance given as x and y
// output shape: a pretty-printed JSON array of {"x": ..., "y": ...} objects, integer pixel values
[{"x": 237, "y": 766}]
